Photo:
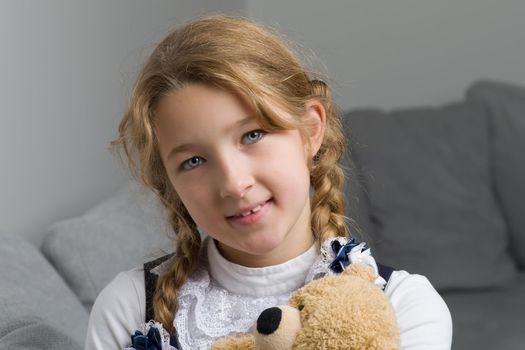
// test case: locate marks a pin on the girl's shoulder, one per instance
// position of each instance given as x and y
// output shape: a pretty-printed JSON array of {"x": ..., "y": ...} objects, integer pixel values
[
  {"x": 420, "y": 310},
  {"x": 118, "y": 310},
  {"x": 403, "y": 284},
  {"x": 127, "y": 288}
]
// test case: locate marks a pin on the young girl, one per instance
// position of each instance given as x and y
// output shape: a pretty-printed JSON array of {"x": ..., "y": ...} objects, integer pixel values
[{"x": 241, "y": 143}]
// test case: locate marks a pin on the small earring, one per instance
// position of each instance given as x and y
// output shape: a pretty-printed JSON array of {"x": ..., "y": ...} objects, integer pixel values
[{"x": 315, "y": 161}]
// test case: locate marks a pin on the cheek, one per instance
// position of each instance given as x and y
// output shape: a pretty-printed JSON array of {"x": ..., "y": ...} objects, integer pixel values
[
  {"x": 194, "y": 196},
  {"x": 290, "y": 169}
]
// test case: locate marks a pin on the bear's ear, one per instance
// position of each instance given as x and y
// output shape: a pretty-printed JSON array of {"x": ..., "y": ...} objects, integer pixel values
[
  {"x": 360, "y": 270},
  {"x": 296, "y": 300},
  {"x": 245, "y": 342}
]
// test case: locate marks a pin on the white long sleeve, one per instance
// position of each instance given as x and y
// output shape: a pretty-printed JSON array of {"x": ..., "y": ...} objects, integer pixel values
[{"x": 422, "y": 315}]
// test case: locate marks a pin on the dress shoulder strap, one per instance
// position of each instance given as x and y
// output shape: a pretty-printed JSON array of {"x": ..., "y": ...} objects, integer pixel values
[
  {"x": 150, "y": 283},
  {"x": 385, "y": 271}
]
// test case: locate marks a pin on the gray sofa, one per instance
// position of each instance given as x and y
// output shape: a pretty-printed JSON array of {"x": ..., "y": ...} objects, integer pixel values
[
  {"x": 46, "y": 293},
  {"x": 438, "y": 191}
]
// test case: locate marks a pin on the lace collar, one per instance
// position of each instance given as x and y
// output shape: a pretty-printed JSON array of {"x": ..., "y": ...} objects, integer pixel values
[{"x": 260, "y": 282}]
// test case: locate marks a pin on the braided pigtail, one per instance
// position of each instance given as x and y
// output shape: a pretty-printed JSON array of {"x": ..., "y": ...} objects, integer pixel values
[
  {"x": 186, "y": 261},
  {"x": 327, "y": 177}
]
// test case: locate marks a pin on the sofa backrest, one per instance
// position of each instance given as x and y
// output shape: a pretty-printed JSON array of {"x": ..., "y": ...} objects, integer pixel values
[
  {"x": 432, "y": 195},
  {"x": 506, "y": 105}
]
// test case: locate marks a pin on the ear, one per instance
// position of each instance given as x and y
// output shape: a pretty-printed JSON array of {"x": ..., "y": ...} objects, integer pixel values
[{"x": 315, "y": 119}]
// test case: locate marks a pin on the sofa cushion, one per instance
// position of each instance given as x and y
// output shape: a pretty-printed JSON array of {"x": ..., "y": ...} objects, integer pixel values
[
  {"x": 34, "y": 333},
  {"x": 489, "y": 319},
  {"x": 120, "y": 233},
  {"x": 507, "y": 109},
  {"x": 37, "y": 305},
  {"x": 432, "y": 209}
]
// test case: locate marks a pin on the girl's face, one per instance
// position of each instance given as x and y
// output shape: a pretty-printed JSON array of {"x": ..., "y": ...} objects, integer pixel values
[{"x": 246, "y": 188}]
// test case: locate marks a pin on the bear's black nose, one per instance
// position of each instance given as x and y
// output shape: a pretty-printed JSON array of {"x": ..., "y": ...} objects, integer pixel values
[{"x": 269, "y": 320}]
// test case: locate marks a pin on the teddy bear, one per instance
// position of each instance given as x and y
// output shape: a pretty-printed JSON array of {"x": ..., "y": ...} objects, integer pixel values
[{"x": 343, "y": 311}]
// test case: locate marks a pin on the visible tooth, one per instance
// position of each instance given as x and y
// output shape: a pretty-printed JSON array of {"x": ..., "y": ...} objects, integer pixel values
[
  {"x": 246, "y": 213},
  {"x": 256, "y": 209}
]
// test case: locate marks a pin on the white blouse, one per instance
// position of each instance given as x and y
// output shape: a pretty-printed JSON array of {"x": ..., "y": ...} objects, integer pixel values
[{"x": 223, "y": 298}]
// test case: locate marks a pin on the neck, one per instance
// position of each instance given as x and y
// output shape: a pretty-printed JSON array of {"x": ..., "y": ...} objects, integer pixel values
[{"x": 263, "y": 281}]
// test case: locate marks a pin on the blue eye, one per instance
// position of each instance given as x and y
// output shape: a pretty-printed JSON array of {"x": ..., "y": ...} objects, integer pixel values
[
  {"x": 192, "y": 163},
  {"x": 253, "y": 136}
]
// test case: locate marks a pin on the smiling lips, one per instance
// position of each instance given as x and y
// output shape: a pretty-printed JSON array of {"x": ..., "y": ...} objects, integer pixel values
[
  {"x": 249, "y": 216},
  {"x": 248, "y": 212}
]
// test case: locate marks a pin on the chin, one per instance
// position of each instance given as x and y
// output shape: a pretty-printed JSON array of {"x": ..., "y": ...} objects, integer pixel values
[{"x": 263, "y": 246}]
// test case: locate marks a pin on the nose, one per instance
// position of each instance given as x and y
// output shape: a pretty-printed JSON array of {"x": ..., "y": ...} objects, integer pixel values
[
  {"x": 269, "y": 320},
  {"x": 235, "y": 178}
]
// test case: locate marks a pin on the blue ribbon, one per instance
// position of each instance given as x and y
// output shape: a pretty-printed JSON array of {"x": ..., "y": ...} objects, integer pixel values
[
  {"x": 152, "y": 341},
  {"x": 341, "y": 260}
]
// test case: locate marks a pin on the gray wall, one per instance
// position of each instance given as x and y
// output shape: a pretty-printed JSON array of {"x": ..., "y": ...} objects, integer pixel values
[
  {"x": 404, "y": 52},
  {"x": 66, "y": 68}
]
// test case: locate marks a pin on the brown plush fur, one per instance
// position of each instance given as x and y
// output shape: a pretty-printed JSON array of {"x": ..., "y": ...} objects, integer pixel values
[
  {"x": 346, "y": 311},
  {"x": 245, "y": 342}
]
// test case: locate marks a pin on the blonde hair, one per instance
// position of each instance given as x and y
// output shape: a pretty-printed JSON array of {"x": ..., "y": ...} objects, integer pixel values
[{"x": 255, "y": 64}]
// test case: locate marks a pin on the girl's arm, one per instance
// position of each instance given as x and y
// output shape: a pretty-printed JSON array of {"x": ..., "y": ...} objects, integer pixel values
[
  {"x": 423, "y": 316},
  {"x": 118, "y": 311}
]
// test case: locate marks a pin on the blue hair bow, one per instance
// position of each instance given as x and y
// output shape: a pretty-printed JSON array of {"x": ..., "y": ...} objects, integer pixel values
[{"x": 341, "y": 260}]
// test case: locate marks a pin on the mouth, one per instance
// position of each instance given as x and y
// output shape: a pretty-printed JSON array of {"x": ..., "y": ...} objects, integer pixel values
[
  {"x": 250, "y": 210},
  {"x": 252, "y": 214}
]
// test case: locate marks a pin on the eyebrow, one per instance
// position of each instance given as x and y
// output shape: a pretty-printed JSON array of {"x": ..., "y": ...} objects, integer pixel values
[{"x": 186, "y": 146}]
